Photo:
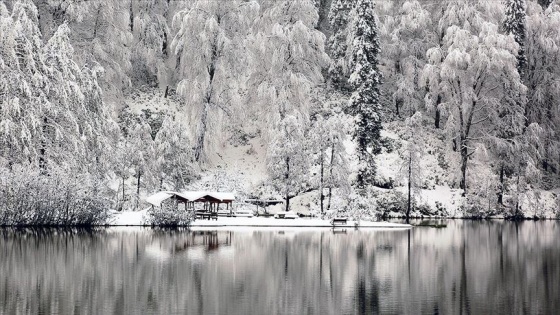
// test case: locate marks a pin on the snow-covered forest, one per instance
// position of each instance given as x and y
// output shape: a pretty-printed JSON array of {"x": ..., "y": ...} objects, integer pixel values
[{"x": 335, "y": 106}]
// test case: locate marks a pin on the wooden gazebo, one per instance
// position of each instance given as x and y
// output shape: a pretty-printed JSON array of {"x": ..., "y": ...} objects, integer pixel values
[{"x": 192, "y": 199}]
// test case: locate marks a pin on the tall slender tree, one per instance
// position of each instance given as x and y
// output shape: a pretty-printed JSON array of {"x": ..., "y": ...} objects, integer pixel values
[
  {"x": 339, "y": 18},
  {"x": 515, "y": 24},
  {"x": 366, "y": 78}
]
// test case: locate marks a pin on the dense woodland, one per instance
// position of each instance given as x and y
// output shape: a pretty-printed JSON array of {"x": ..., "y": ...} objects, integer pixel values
[{"x": 328, "y": 87}]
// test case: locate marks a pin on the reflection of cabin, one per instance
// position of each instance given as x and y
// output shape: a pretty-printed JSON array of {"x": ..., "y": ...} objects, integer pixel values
[{"x": 205, "y": 204}]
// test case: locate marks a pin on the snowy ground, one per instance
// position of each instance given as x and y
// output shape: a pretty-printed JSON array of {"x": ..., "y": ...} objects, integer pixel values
[{"x": 136, "y": 218}]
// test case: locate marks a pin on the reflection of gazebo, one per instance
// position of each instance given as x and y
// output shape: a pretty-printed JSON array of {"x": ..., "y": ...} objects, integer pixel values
[{"x": 210, "y": 200}]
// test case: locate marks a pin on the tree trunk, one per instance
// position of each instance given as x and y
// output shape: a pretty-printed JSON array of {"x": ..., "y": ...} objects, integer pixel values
[
  {"x": 138, "y": 188},
  {"x": 517, "y": 216},
  {"x": 96, "y": 26},
  {"x": 199, "y": 146},
  {"x": 464, "y": 160},
  {"x": 330, "y": 176},
  {"x": 131, "y": 17},
  {"x": 322, "y": 195},
  {"x": 287, "y": 178},
  {"x": 501, "y": 192},
  {"x": 409, "y": 187},
  {"x": 438, "y": 113},
  {"x": 43, "y": 149},
  {"x": 122, "y": 193}
]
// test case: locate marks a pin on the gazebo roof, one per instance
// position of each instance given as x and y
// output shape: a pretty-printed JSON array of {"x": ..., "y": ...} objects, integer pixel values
[{"x": 191, "y": 196}]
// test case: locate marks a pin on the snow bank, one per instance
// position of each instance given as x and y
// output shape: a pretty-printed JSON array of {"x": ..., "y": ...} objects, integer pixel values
[{"x": 138, "y": 218}]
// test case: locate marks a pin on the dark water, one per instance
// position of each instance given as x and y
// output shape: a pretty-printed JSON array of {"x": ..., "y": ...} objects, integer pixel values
[{"x": 465, "y": 267}]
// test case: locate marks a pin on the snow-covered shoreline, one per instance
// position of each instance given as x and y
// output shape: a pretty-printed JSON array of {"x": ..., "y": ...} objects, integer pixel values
[{"x": 136, "y": 218}]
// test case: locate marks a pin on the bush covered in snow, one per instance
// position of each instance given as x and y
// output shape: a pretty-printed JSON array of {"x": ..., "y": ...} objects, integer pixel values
[
  {"x": 169, "y": 214},
  {"x": 391, "y": 203},
  {"x": 28, "y": 197}
]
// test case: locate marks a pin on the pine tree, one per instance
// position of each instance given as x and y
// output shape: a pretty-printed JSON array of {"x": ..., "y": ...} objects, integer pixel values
[
  {"x": 515, "y": 24},
  {"x": 364, "y": 103},
  {"x": 339, "y": 17}
]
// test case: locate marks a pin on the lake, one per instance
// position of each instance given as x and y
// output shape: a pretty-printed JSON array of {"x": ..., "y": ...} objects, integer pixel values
[{"x": 457, "y": 267}]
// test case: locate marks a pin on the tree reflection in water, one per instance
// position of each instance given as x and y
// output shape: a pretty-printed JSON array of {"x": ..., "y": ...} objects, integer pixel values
[{"x": 462, "y": 267}]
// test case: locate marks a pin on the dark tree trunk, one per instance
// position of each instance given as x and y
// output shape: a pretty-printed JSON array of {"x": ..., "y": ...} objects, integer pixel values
[
  {"x": 330, "y": 176},
  {"x": 138, "y": 188},
  {"x": 164, "y": 43},
  {"x": 464, "y": 161},
  {"x": 409, "y": 206},
  {"x": 131, "y": 17},
  {"x": 43, "y": 148},
  {"x": 199, "y": 148},
  {"x": 96, "y": 26},
  {"x": 287, "y": 178},
  {"x": 438, "y": 113},
  {"x": 501, "y": 192},
  {"x": 398, "y": 105}
]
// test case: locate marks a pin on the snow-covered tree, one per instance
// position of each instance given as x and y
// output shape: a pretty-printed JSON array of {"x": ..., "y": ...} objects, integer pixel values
[
  {"x": 406, "y": 36},
  {"x": 542, "y": 79},
  {"x": 103, "y": 37},
  {"x": 208, "y": 64},
  {"x": 141, "y": 154},
  {"x": 328, "y": 132},
  {"x": 365, "y": 79},
  {"x": 174, "y": 162},
  {"x": 288, "y": 57},
  {"x": 339, "y": 17},
  {"x": 52, "y": 112},
  {"x": 514, "y": 24},
  {"x": 151, "y": 40},
  {"x": 287, "y": 161},
  {"x": 477, "y": 74},
  {"x": 411, "y": 156}
]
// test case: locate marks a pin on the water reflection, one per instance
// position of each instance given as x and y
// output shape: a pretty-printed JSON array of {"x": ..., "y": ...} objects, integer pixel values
[{"x": 466, "y": 267}]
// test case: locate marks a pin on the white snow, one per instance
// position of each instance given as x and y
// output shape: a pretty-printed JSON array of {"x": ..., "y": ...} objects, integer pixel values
[
  {"x": 137, "y": 218},
  {"x": 128, "y": 218},
  {"x": 157, "y": 198}
]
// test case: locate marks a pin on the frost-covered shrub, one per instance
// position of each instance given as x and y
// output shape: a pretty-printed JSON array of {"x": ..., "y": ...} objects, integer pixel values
[
  {"x": 475, "y": 207},
  {"x": 28, "y": 197},
  {"x": 392, "y": 202},
  {"x": 384, "y": 182},
  {"x": 361, "y": 208},
  {"x": 169, "y": 214}
]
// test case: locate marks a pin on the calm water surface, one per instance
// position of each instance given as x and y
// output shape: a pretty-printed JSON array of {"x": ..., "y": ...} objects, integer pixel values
[{"x": 466, "y": 267}]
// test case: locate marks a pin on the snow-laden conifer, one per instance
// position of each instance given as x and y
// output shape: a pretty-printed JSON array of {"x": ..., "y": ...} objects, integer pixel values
[
  {"x": 515, "y": 24},
  {"x": 366, "y": 78}
]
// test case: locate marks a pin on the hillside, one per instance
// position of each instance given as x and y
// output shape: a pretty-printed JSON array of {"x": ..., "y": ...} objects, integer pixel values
[{"x": 375, "y": 108}]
